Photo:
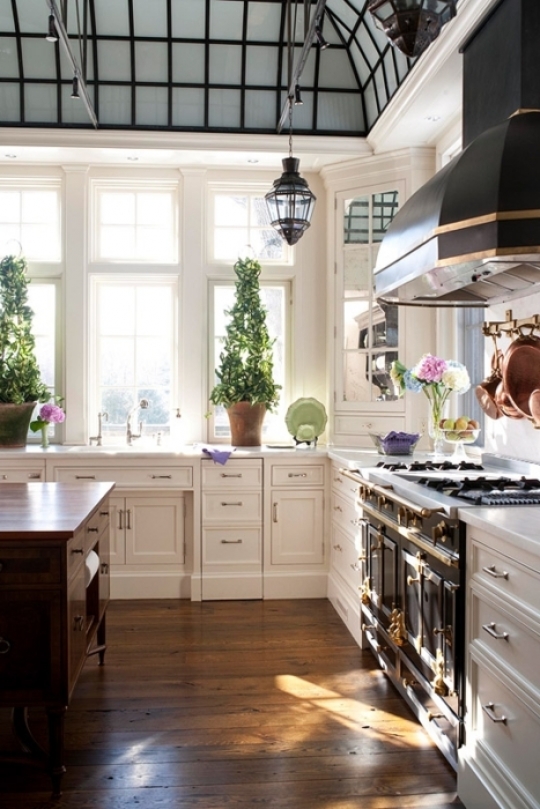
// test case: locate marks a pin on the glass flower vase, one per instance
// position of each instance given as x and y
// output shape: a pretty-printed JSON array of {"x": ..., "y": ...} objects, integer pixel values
[
  {"x": 45, "y": 436},
  {"x": 437, "y": 402}
]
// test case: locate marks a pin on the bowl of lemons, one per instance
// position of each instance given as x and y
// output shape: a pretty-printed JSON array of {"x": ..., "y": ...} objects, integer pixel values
[{"x": 459, "y": 432}]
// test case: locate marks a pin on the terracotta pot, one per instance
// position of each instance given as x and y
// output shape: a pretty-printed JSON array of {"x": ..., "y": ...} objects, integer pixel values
[
  {"x": 521, "y": 372},
  {"x": 246, "y": 422},
  {"x": 14, "y": 424}
]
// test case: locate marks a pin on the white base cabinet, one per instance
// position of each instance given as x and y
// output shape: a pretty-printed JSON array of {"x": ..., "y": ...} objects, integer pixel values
[{"x": 498, "y": 765}]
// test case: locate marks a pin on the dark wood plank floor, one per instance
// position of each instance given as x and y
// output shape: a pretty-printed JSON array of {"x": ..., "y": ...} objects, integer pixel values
[{"x": 235, "y": 705}]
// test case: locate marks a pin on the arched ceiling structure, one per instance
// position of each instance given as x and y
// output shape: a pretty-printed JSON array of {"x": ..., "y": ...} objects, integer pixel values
[{"x": 195, "y": 66}]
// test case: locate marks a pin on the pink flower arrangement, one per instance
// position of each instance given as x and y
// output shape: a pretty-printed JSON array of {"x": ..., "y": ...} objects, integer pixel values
[
  {"x": 51, "y": 414},
  {"x": 430, "y": 369}
]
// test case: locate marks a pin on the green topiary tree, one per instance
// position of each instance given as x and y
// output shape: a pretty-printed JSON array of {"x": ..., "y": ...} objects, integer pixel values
[
  {"x": 246, "y": 366},
  {"x": 20, "y": 378}
]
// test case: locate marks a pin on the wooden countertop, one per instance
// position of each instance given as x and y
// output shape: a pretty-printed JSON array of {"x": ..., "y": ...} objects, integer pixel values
[{"x": 47, "y": 510}]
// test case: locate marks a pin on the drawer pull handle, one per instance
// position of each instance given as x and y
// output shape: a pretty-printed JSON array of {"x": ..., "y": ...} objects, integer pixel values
[
  {"x": 355, "y": 568},
  {"x": 338, "y": 508},
  {"x": 337, "y": 548},
  {"x": 77, "y": 550},
  {"x": 490, "y": 710},
  {"x": 161, "y": 477},
  {"x": 5, "y": 646},
  {"x": 492, "y": 571},
  {"x": 93, "y": 530},
  {"x": 104, "y": 568},
  {"x": 274, "y": 512},
  {"x": 34, "y": 476},
  {"x": 120, "y": 519},
  {"x": 224, "y": 503},
  {"x": 297, "y": 474},
  {"x": 231, "y": 541},
  {"x": 103, "y": 513},
  {"x": 338, "y": 479},
  {"x": 85, "y": 477},
  {"x": 492, "y": 630},
  {"x": 231, "y": 475},
  {"x": 4, "y": 477},
  {"x": 128, "y": 519}
]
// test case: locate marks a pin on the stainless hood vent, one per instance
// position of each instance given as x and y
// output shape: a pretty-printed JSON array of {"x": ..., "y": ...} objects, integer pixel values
[{"x": 471, "y": 235}]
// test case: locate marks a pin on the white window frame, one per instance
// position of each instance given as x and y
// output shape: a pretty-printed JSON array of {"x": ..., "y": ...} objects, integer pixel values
[
  {"x": 99, "y": 187},
  {"x": 240, "y": 190},
  {"x": 284, "y": 399},
  {"x": 22, "y": 184},
  {"x": 119, "y": 279}
]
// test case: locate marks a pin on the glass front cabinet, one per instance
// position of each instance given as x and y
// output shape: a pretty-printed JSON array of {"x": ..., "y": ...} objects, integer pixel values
[{"x": 368, "y": 334}]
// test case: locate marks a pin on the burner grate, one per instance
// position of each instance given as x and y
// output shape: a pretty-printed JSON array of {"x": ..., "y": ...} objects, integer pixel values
[
  {"x": 488, "y": 491},
  {"x": 430, "y": 466}
]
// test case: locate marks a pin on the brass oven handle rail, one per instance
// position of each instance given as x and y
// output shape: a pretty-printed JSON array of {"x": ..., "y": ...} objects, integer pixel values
[
  {"x": 383, "y": 491},
  {"x": 446, "y": 558}
]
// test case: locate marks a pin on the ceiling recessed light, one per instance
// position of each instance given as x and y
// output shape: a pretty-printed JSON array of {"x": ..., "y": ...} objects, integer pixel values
[
  {"x": 252, "y": 160},
  {"x": 432, "y": 118},
  {"x": 133, "y": 158},
  {"x": 11, "y": 156}
]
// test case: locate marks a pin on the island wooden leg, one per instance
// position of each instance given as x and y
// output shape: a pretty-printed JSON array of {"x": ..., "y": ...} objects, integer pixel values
[{"x": 57, "y": 767}]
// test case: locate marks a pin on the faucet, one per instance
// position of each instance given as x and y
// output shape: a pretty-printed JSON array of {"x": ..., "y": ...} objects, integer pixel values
[
  {"x": 98, "y": 438},
  {"x": 130, "y": 436}
]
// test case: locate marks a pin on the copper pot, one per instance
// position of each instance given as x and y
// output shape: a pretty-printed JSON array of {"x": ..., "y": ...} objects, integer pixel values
[
  {"x": 505, "y": 403},
  {"x": 485, "y": 391},
  {"x": 534, "y": 407},
  {"x": 521, "y": 372}
]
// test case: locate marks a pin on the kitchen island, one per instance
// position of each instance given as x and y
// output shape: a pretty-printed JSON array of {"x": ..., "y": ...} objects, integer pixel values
[{"x": 54, "y": 591}]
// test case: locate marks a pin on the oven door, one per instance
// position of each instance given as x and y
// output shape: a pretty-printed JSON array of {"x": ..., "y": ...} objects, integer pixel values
[{"x": 383, "y": 566}]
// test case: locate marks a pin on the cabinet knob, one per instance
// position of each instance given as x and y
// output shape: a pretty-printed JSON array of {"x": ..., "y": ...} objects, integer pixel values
[{"x": 5, "y": 646}]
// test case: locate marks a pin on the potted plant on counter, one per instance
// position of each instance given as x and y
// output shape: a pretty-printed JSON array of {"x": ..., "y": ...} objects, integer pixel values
[
  {"x": 246, "y": 387},
  {"x": 20, "y": 378}
]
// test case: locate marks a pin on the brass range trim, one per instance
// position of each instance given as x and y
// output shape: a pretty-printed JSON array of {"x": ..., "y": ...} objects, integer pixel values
[
  {"x": 448, "y": 559},
  {"x": 492, "y": 253},
  {"x": 496, "y": 216},
  {"x": 383, "y": 491}
]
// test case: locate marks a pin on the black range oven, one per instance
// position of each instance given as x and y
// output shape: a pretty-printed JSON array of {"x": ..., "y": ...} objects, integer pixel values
[{"x": 413, "y": 581}]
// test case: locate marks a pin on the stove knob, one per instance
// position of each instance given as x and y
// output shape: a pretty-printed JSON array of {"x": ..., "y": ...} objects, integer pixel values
[{"x": 440, "y": 533}]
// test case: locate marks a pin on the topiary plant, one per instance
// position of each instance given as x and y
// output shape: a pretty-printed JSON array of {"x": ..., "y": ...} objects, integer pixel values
[
  {"x": 20, "y": 377},
  {"x": 246, "y": 366}
]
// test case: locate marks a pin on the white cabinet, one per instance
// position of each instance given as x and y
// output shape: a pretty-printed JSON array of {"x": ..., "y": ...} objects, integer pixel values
[
  {"x": 346, "y": 555},
  {"x": 232, "y": 510},
  {"x": 152, "y": 525},
  {"x": 22, "y": 471},
  {"x": 295, "y": 553},
  {"x": 148, "y": 529},
  {"x": 498, "y": 766}
]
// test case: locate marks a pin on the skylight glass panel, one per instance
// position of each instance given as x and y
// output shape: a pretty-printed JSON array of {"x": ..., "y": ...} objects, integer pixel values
[
  {"x": 150, "y": 18},
  {"x": 340, "y": 112},
  {"x": 6, "y": 20},
  {"x": 224, "y": 108},
  {"x": 10, "y": 109},
  {"x": 261, "y": 65},
  {"x": 188, "y": 63},
  {"x": 114, "y": 60},
  {"x": 260, "y": 109},
  {"x": 112, "y": 19},
  {"x": 40, "y": 103},
  {"x": 151, "y": 106},
  {"x": 225, "y": 64},
  {"x": 38, "y": 59},
  {"x": 73, "y": 109},
  {"x": 302, "y": 114},
  {"x": 226, "y": 19},
  {"x": 114, "y": 105},
  {"x": 188, "y": 19},
  {"x": 151, "y": 61},
  {"x": 8, "y": 51},
  {"x": 264, "y": 21},
  {"x": 188, "y": 106},
  {"x": 335, "y": 70}
]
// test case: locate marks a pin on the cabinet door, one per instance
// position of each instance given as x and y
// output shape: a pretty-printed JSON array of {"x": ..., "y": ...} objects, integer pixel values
[
  {"x": 117, "y": 551},
  {"x": 154, "y": 527},
  {"x": 297, "y": 527}
]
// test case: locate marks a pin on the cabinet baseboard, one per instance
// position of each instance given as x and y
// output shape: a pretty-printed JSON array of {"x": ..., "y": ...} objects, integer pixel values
[{"x": 129, "y": 585}]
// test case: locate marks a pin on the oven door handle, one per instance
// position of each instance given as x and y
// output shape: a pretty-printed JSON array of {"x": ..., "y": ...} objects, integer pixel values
[{"x": 412, "y": 536}]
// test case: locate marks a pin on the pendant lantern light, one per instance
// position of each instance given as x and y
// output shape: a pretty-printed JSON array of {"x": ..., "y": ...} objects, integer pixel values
[{"x": 412, "y": 25}]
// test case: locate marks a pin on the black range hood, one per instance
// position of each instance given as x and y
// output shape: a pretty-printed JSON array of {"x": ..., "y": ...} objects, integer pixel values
[{"x": 471, "y": 235}]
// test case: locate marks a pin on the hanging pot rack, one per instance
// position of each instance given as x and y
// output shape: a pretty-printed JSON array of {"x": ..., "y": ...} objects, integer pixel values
[{"x": 511, "y": 327}]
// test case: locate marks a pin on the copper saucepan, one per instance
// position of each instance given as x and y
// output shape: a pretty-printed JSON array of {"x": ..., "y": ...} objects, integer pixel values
[
  {"x": 485, "y": 391},
  {"x": 521, "y": 372}
]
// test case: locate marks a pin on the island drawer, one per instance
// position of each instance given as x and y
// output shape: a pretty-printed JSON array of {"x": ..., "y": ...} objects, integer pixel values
[
  {"x": 32, "y": 566},
  {"x": 162, "y": 477},
  {"x": 98, "y": 522}
]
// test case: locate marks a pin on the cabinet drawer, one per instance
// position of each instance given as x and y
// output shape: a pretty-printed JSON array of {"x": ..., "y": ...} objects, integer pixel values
[
  {"x": 344, "y": 559},
  {"x": 231, "y": 507},
  {"x": 21, "y": 474},
  {"x": 513, "y": 643},
  {"x": 98, "y": 522},
  {"x": 514, "y": 741},
  {"x": 75, "y": 552},
  {"x": 344, "y": 513},
  {"x": 235, "y": 475},
  {"x": 33, "y": 566},
  {"x": 344, "y": 486},
  {"x": 236, "y": 547},
  {"x": 159, "y": 477},
  {"x": 505, "y": 576},
  {"x": 300, "y": 475}
]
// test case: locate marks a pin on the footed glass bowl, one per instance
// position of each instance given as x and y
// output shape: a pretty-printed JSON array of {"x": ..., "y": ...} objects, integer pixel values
[{"x": 459, "y": 438}]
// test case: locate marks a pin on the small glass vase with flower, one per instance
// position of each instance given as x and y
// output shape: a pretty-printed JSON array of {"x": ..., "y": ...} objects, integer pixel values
[
  {"x": 50, "y": 413},
  {"x": 437, "y": 379}
]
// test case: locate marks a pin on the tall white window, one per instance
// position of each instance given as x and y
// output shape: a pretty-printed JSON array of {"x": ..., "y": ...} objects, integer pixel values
[
  {"x": 133, "y": 353},
  {"x": 276, "y": 300},
  {"x": 30, "y": 218},
  {"x": 136, "y": 225},
  {"x": 240, "y": 224}
]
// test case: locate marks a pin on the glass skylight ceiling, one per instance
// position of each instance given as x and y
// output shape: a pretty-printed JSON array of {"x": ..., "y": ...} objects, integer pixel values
[{"x": 190, "y": 65}]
